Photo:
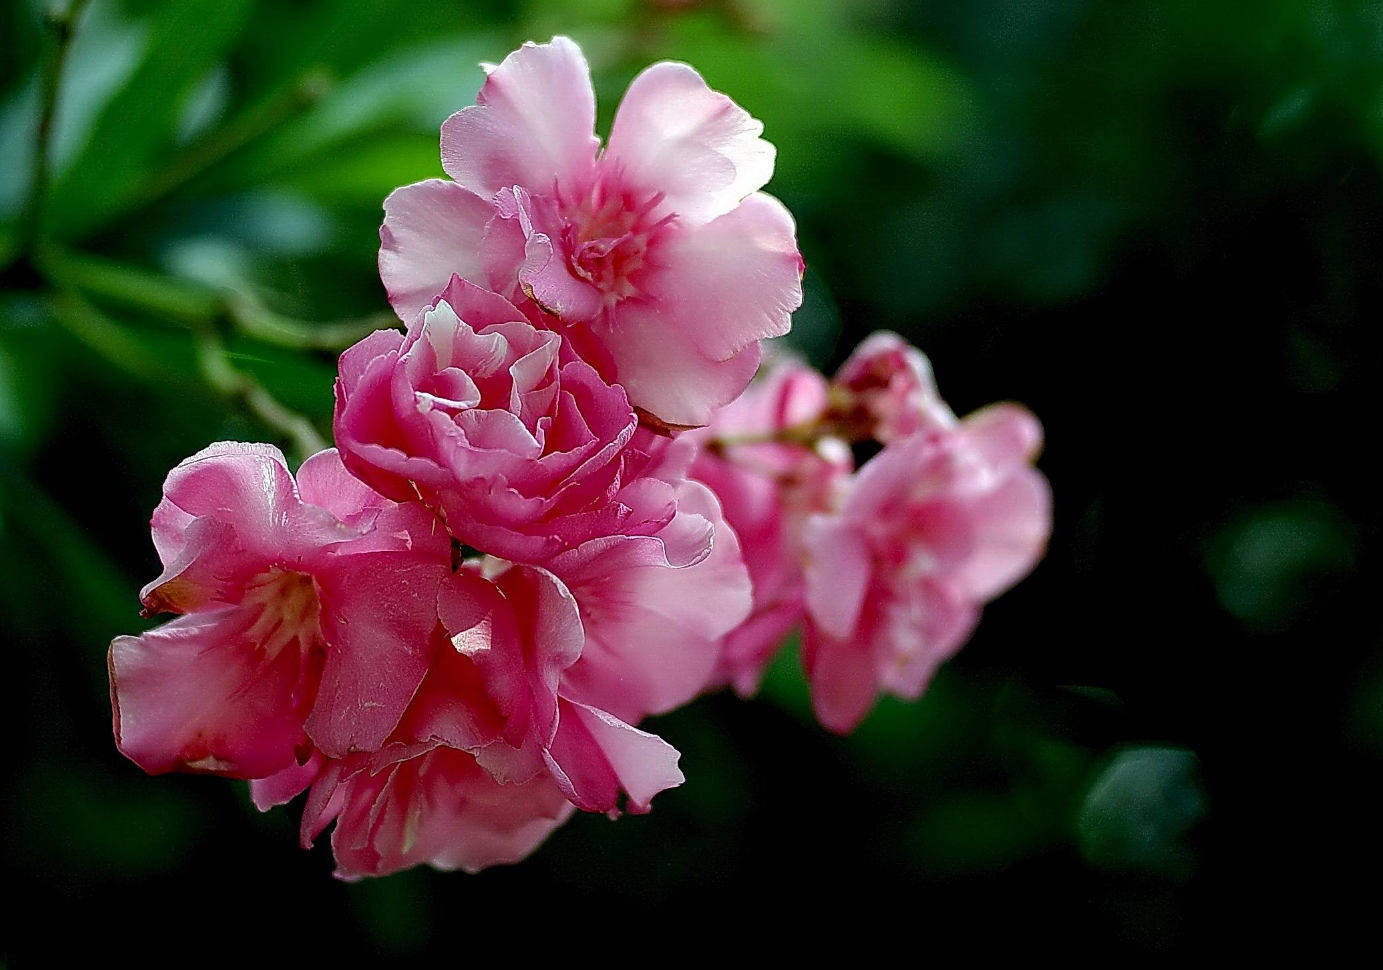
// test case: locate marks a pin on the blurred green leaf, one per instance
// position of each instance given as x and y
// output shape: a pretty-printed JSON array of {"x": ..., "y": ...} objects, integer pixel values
[
  {"x": 134, "y": 132},
  {"x": 1272, "y": 563},
  {"x": 1138, "y": 812},
  {"x": 413, "y": 90}
]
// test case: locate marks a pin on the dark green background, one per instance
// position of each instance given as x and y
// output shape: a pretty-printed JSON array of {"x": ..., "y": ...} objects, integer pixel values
[{"x": 1156, "y": 223}]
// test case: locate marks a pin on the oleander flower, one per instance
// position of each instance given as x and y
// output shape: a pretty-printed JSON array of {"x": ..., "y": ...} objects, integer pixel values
[
  {"x": 767, "y": 487},
  {"x": 423, "y": 798},
  {"x": 491, "y": 755},
  {"x": 306, "y": 608},
  {"x": 522, "y": 628},
  {"x": 658, "y": 254},
  {"x": 933, "y": 527},
  {"x": 885, "y": 390},
  {"x": 525, "y": 448},
  {"x": 655, "y": 609}
]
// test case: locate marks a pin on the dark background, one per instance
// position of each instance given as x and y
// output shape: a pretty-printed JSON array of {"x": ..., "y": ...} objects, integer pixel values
[{"x": 1155, "y": 223}]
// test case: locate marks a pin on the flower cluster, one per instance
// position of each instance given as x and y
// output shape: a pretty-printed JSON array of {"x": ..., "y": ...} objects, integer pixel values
[{"x": 557, "y": 505}]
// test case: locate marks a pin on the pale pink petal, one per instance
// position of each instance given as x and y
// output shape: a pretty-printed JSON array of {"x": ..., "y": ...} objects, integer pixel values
[
  {"x": 921, "y": 629},
  {"x": 839, "y": 571},
  {"x": 675, "y": 135},
  {"x": 198, "y": 694},
  {"x": 1009, "y": 532},
  {"x": 284, "y": 786},
  {"x": 686, "y": 395},
  {"x": 725, "y": 284},
  {"x": 533, "y": 124},
  {"x": 432, "y": 230},
  {"x": 1004, "y": 434}
]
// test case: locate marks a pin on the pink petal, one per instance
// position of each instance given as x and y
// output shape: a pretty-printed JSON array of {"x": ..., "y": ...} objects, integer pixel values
[
  {"x": 1009, "y": 532},
  {"x": 731, "y": 281},
  {"x": 324, "y": 482},
  {"x": 533, "y": 125},
  {"x": 843, "y": 678},
  {"x": 1005, "y": 434},
  {"x": 684, "y": 395},
  {"x": 437, "y": 807},
  {"x": 432, "y": 230},
  {"x": 196, "y": 694},
  {"x": 675, "y": 135},
  {"x": 652, "y": 628},
  {"x": 595, "y": 756},
  {"x": 838, "y": 574},
  {"x": 378, "y": 614},
  {"x": 284, "y": 786}
]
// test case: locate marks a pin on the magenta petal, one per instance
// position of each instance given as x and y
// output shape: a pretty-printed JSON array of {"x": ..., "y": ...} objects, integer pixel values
[
  {"x": 197, "y": 694},
  {"x": 533, "y": 124},
  {"x": 673, "y": 134},
  {"x": 843, "y": 677},
  {"x": 378, "y": 614}
]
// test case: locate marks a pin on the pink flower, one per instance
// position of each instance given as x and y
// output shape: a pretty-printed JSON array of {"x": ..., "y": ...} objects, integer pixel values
[
  {"x": 494, "y": 752},
  {"x": 657, "y": 253},
  {"x": 885, "y": 390},
  {"x": 523, "y": 630},
  {"x": 306, "y": 610},
  {"x": 933, "y": 527},
  {"x": 767, "y": 489},
  {"x": 526, "y": 449},
  {"x": 654, "y": 627}
]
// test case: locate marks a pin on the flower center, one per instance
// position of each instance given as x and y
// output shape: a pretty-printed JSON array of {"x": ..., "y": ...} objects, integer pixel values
[
  {"x": 287, "y": 603},
  {"x": 609, "y": 236}
]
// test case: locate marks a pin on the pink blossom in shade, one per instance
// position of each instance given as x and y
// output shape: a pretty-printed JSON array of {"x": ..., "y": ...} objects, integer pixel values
[
  {"x": 423, "y": 798},
  {"x": 767, "y": 489},
  {"x": 660, "y": 248},
  {"x": 525, "y": 448},
  {"x": 885, "y": 390},
  {"x": 933, "y": 527},
  {"x": 306, "y": 607},
  {"x": 523, "y": 629},
  {"x": 653, "y": 627}
]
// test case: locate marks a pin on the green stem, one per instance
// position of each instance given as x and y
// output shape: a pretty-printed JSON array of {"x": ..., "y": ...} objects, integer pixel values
[
  {"x": 236, "y": 385},
  {"x": 60, "y": 24},
  {"x": 119, "y": 347},
  {"x": 104, "y": 336},
  {"x": 187, "y": 303},
  {"x": 254, "y": 319}
]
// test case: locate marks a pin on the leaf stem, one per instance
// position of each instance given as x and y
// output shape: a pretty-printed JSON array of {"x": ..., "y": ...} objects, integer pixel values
[
  {"x": 60, "y": 22},
  {"x": 189, "y": 303},
  {"x": 236, "y": 385}
]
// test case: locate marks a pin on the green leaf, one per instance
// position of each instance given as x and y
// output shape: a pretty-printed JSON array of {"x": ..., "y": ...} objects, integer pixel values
[
  {"x": 1138, "y": 812},
  {"x": 135, "y": 131}
]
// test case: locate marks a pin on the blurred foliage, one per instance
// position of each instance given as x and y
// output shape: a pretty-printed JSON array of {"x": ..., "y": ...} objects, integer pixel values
[{"x": 1157, "y": 222}]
